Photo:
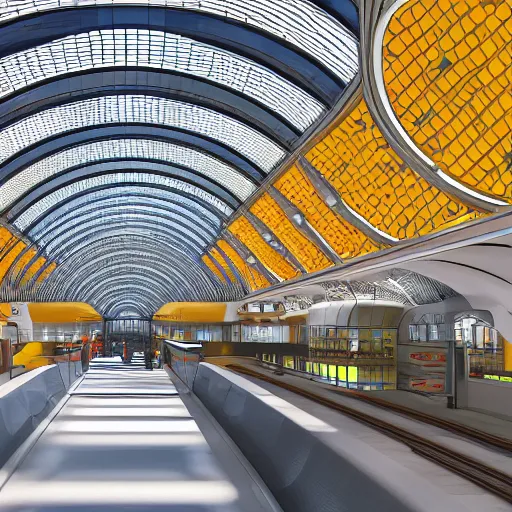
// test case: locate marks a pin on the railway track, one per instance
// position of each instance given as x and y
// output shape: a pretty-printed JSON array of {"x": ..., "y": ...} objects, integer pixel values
[
  {"x": 491, "y": 479},
  {"x": 471, "y": 433}
]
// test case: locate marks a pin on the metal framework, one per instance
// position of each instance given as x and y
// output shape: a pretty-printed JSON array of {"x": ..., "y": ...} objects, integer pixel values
[{"x": 201, "y": 150}]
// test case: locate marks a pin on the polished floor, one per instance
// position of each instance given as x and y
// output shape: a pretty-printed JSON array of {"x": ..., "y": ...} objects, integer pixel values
[{"x": 124, "y": 440}]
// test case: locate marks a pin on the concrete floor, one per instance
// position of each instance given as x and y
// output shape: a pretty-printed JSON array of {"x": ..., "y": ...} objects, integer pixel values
[{"x": 125, "y": 441}]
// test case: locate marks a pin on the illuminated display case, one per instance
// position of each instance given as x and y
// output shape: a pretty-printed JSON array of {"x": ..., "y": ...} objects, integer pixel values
[{"x": 332, "y": 343}]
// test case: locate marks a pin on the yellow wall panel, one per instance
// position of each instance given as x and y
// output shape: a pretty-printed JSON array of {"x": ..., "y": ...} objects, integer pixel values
[
  {"x": 191, "y": 312},
  {"x": 254, "y": 279},
  {"x": 66, "y": 312},
  {"x": 272, "y": 260},
  {"x": 345, "y": 239},
  {"x": 209, "y": 263},
  {"x": 447, "y": 75},
  {"x": 5, "y": 237},
  {"x": 270, "y": 213},
  {"x": 374, "y": 182},
  {"x": 217, "y": 256}
]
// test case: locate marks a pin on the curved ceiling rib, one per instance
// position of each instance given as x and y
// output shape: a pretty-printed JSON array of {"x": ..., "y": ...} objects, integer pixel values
[
  {"x": 126, "y": 197},
  {"x": 117, "y": 149},
  {"x": 160, "y": 50},
  {"x": 130, "y": 135},
  {"x": 103, "y": 213},
  {"x": 141, "y": 109},
  {"x": 195, "y": 240},
  {"x": 37, "y": 209},
  {"x": 290, "y": 21}
]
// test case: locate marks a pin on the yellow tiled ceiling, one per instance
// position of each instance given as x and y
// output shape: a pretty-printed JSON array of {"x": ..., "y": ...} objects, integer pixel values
[
  {"x": 254, "y": 279},
  {"x": 375, "y": 183},
  {"x": 447, "y": 72},
  {"x": 242, "y": 229},
  {"x": 213, "y": 268},
  {"x": 6, "y": 237},
  {"x": 270, "y": 213},
  {"x": 32, "y": 271},
  {"x": 45, "y": 273},
  {"x": 23, "y": 262},
  {"x": 345, "y": 239},
  {"x": 217, "y": 256},
  {"x": 9, "y": 257}
]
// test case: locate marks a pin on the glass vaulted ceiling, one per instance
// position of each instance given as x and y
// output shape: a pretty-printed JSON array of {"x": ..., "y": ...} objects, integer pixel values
[
  {"x": 118, "y": 149},
  {"x": 132, "y": 178},
  {"x": 154, "y": 49},
  {"x": 289, "y": 20},
  {"x": 243, "y": 139}
]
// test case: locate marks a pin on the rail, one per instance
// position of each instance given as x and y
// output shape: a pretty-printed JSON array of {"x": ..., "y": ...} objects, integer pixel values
[
  {"x": 452, "y": 426},
  {"x": 489, "y": 478}
]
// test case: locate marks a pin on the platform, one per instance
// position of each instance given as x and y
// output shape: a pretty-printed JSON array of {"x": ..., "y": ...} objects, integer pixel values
[
  {"x": 124, "y": 440},
  {"x": 468, "y": 494}
]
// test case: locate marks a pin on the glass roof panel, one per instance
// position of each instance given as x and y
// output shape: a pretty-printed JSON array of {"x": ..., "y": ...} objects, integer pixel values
[
  {"x": 49, "y": 201},
  {"x": 160, "y": 50},
  {"x": 103, "y": 198},
  {"x": 298, "y": 22},
  {"x": 119, "y": 214},
  {"x": 141, "y": 109},
  {"x": 103, "y": 213},
  {"x": 137, "y": 221},
  {"x": 202, "y": 163}
]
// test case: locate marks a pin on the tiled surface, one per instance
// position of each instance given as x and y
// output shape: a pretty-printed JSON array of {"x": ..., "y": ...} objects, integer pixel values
[
  {"x": 375, "y": 183},
  {"x": 447, "y": 74}
]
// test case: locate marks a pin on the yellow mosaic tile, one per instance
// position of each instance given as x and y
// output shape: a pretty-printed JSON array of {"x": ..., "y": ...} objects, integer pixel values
[
  {"x": 272, "y": 260},
  {"x": 45, "y": 273},
  {"x": 20, "y": 265},
  {"x": 9, "y": 257},
  {"x": 345, "y": 239},
  {"x": 447, "y": 72},
  {"x": 217, "y": 256},
  {"x": 375, "y": 183},
  {"x": 213, "y": 268},
  {"x": 270, "y": 213},
  {"x": 254, "y": 279},
  {"x": 32, "y": 271}
]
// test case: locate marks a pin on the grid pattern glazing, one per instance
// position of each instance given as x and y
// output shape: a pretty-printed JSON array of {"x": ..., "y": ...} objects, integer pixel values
[
  {"x": 271, "y": 214},
  {"x": 31, "y": 214},
  {"x": 272, "y": 260},
  {"x": 375, "y": 183},
  {"x": 160, "y": 50},
  {"x": 290, "y": 20},
  {"x": 217, "y": 256},
  {"x": 143, "y": 211},
  {"x": 253, "y": 278},
  {"x": 212, "y": 267},
  {"x": 119, "y": 197},
  {"x": 447, "y": 75},
  {"x": 202, "y": 163},
  {"x": 141, "y": 109},
  {"x": 345, "y": 239},
  {"x": 136, "y": 222}
]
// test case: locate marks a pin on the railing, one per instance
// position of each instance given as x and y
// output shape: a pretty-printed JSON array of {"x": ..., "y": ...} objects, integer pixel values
[
  {"x": 183, "y": 358},
  {"x": 19, "y": 358}
]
